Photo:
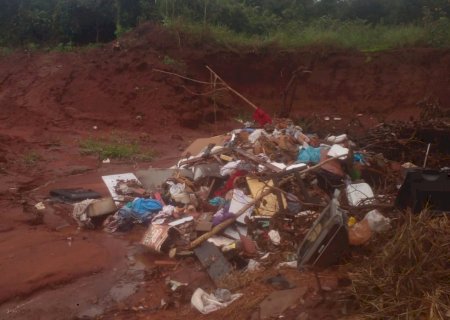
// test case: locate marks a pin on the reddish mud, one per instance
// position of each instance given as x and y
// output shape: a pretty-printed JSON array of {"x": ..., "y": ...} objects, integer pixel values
[{"x": 51, "y": 101}]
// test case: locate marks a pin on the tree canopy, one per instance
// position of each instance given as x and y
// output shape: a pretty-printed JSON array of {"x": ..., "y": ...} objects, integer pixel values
[{"x": 88, "y": 21}]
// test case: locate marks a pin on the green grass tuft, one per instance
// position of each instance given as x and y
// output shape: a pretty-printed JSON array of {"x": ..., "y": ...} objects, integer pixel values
[
  {"x": 31, "y": 158},
  {"x": 115, "y": 148}
]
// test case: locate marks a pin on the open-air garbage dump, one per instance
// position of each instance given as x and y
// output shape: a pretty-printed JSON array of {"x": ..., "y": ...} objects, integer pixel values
[
  {"x": 271, "y": 203},
  {"x": 227, "y": 159}
]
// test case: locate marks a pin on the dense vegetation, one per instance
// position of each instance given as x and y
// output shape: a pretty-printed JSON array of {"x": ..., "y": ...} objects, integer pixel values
[{"x": 364, "y": 24}]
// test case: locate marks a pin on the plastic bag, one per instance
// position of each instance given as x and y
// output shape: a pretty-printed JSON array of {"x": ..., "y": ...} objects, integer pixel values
[{"x": 207, "y": 303}]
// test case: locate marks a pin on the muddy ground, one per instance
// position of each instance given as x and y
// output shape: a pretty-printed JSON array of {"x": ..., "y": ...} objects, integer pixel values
[{"x": 50, "y": 101}]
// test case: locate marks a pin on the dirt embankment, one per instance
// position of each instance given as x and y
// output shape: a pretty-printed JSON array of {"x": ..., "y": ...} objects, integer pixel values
[{"x": 49, "y": 101}]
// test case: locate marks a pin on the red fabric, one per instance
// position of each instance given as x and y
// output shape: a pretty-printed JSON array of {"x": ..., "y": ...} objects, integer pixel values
[
  {"x": 230, "y": 183},
  {"x": 261, "y": 117}
]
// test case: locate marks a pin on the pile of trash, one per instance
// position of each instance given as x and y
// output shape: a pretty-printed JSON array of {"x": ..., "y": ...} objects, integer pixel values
[{"x": 234, "y": 200}]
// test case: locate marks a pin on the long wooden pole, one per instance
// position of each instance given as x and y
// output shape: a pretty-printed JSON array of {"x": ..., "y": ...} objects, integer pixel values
[{"x": 232, "y": 90}]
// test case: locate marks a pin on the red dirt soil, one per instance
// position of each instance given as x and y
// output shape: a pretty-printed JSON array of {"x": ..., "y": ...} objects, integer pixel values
[{"x": 50, "y": 101}]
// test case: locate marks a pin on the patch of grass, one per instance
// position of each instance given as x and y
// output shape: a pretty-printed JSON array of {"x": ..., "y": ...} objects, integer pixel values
[
  {"x": 180, "y": 66},
  {"x": 31, "y": 158},
  {"x": 5, "y": 51},
  {"x": 64, "y": 47},
  {"x": 115, "y": 148},
  {"x": 324, "y": 32}
]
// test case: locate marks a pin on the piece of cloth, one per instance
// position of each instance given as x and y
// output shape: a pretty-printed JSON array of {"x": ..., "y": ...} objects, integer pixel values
[
  {"x": 221, "y": 215},
  {"x": 309, "y": 155},
  {"x": 80, "y": 215},
  {"x": 261, "y": 117},
  {"x": 142, "y": 206},
  {"x": 230, "y": 182}
]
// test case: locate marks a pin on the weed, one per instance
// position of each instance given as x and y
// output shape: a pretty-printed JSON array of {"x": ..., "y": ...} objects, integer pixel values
[
  {"x": 64, "y": 47},
  {"x": 115, "y": 148},
  {"x": 169, "y": 61},
  {"x": 5, "y": 51},
  {"x": 31, "y": 158}
]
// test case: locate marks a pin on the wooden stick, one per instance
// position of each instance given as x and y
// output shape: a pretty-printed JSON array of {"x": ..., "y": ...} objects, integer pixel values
[
  {"x": 182, "y": 77},
  {"x": 426, "y": 155},
  {"x": 228, "y": 222},
  {"x": 232, "y": 90}
]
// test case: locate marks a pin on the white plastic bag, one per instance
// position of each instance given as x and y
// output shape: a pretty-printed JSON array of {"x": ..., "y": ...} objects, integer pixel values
[
  {"x": 377, "y": 222},
  {"x": 207, "y": 303}
]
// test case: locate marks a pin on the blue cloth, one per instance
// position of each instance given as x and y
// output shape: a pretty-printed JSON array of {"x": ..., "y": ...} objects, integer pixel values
[
  {"x": 309, "y": 154},
  {"x": 142, "y": 206}
]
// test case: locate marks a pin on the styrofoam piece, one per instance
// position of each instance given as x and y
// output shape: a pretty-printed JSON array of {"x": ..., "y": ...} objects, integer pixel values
[
  {"x": 111, "y": 181},
  {"x": 338, "y": 151},
  {"x": 280, "y": 165},
  {"x": 359, "y": 193},
  {"x": 337, "y": 139},
  {"x": 296, "y": 166},
  {"x": 181, "y": 221}
]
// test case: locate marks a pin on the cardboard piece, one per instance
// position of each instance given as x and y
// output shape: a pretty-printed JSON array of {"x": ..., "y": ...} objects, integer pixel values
[
  {"x": 270, "y": 204},
  {"x": 198, "y": 145},
  {"x": 159, "y": 237}
]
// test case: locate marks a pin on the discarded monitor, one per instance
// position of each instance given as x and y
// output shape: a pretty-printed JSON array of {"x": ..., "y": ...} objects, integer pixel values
[
  {"x": 327, "y": 240},
  {"x": 425, "y": 189}
]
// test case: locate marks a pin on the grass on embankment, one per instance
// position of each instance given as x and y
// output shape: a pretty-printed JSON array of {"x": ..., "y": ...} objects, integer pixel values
[
  {"x": 115, "y": 148},
  {"x": 328, "y": 33}
]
